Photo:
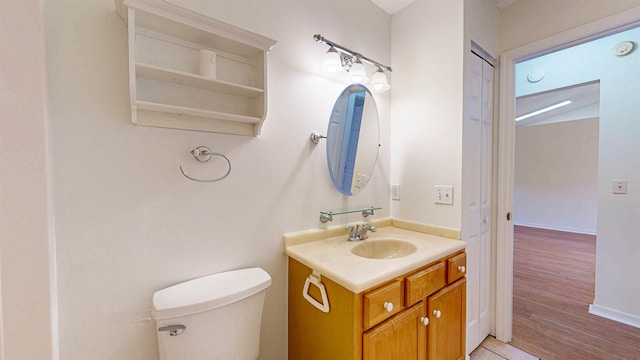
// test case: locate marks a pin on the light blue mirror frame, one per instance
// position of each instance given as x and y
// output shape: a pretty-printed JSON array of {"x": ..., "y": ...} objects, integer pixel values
[{"x": 353, "y": 139}]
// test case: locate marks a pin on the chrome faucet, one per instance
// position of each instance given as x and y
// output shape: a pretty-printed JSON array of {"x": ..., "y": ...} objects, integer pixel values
[{"x": 359, "y": 232}]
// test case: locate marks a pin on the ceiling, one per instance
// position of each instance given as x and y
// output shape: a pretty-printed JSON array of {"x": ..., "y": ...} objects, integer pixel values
[
  {"x": 585, "y": 104},
  {"x": 393, "y": 6},
  {"x": 584, "y": 97}
]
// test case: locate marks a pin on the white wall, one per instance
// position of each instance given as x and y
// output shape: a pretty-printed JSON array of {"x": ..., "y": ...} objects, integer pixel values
[
  {"x": 427, "y": 52},
  {"x": 128, "y": 223},
  {"x": 26, "y": 240},
  {"x": 556, "y": 178},
  {"x": 617, "y": 250}
]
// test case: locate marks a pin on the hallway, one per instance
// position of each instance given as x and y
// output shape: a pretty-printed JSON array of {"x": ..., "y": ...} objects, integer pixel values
[{"x": 553, "y": 284}]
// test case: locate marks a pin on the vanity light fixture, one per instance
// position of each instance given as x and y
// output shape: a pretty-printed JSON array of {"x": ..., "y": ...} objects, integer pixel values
[
  {"x": 543, "y": 110},
  {"x": 332, "y": 62},
  {"x": 338, "y": 57},
  {"x": 379, "y": 81},
  {"x": 358, "y": 73}
]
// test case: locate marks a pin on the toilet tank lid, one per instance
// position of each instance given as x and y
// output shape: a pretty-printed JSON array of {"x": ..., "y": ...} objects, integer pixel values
[{"x": 208, "y": 292}]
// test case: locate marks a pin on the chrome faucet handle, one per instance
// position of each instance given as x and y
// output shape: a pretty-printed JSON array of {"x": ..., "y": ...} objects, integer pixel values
[
  {"x": 366, "y": 227},
  {"x": 354, "y": 232}
]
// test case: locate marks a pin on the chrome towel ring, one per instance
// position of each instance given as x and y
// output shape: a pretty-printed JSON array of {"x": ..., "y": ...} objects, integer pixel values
[{"x": 204, "y": 154}]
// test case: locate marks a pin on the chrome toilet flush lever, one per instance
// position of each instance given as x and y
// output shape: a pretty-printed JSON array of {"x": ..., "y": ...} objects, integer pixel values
[{"x": 174, "y": 330}]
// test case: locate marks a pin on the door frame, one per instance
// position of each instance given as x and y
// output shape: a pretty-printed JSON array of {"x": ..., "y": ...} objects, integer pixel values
[{"x": 506, "y": 147}]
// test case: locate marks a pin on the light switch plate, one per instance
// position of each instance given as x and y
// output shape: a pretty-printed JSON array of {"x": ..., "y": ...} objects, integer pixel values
[
  {"x": 619, "y": 186},
  {"x": 443, "y": 194},
  {"x": 395, "y": 192},
  {"x": 361, "y": 182}
]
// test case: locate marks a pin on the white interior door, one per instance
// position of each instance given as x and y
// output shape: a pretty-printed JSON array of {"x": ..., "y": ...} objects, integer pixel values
[{"x": 476, "y": 199}]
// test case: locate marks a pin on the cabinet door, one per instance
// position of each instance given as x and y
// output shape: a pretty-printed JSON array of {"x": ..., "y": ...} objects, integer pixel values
[
  {"x": 402, "y": 337},
  {"x": 446, "y": 330}
]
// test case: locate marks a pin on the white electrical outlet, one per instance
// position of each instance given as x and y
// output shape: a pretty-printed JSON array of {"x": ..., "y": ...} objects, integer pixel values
[
  {"x": 395, "y": 192},
  {"x": 443, "y": 194},
  {"x": 619, "y": 186}
]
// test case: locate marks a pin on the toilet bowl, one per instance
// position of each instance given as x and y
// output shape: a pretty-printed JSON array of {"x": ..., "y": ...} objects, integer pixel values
[{"x": 213, "y": 317}]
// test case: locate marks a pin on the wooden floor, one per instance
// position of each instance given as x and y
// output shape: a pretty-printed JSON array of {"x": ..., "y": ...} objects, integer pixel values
[{"x": 553, "y": 285}]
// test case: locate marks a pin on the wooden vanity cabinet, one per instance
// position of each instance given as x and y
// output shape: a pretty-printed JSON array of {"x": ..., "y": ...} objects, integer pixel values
[{"x": 427, "y": 319}]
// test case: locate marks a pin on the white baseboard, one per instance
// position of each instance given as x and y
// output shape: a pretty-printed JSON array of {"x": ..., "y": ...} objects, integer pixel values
[
  {"x": 556, "y": 228},
  {"x": 615, "y": 315}
]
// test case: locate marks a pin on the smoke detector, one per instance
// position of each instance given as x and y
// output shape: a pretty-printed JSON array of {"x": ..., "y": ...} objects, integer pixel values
[
  {"x": 535, "y": 75},
  {"x": 623, "y": 48}
]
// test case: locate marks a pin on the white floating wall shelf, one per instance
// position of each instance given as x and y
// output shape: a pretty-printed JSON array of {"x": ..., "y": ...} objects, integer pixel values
[{"x": 165, "y": 84}]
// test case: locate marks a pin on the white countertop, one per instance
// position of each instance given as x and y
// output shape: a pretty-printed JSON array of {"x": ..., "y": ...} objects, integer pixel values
[{"x": 332, "y": 257}]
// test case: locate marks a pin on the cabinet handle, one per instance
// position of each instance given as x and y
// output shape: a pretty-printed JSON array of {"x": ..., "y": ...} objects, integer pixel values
[
  {"x": 424, "y": 320},
  {"x": 437, "y": 313},
  {"x": 461, "y": 268},
  {"x": 388, "y": 306}
]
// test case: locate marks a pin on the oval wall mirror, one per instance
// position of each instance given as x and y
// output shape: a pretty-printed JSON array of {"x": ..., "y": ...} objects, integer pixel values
[{"x": 353, "y": 139}]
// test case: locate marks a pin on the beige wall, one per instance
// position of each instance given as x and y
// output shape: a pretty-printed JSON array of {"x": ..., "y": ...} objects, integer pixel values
[
  {"x": 527, "y": 21},
  {"x": 28, "y": 315},
  {"x": 427, "y": 108},
  {"x": 481, "y": 25},
  {"x": 128, "y": 223},
  {"x": 429, "y": 99},
  {"x": 556, "y": 178}
]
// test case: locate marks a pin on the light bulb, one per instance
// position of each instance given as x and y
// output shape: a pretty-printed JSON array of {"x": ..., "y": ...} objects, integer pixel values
[
  {"x": 331, "y": 62},
  {"x": 358, "y": 73},
  {"x": 379, "y": 82}
]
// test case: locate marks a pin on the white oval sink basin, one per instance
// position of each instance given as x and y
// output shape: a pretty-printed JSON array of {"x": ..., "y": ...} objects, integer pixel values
[{"x": 384, "y": 249}]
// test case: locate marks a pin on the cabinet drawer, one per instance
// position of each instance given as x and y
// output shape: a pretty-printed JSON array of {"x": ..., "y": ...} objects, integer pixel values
[
  {"x": 456, "y": 267},
  {"x": 382, "y": 303},
  {"x": 423, "y": 283}
]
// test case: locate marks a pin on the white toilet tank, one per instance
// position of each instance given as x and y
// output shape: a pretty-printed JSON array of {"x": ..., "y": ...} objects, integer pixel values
[{"x": 213, "y": 317}]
